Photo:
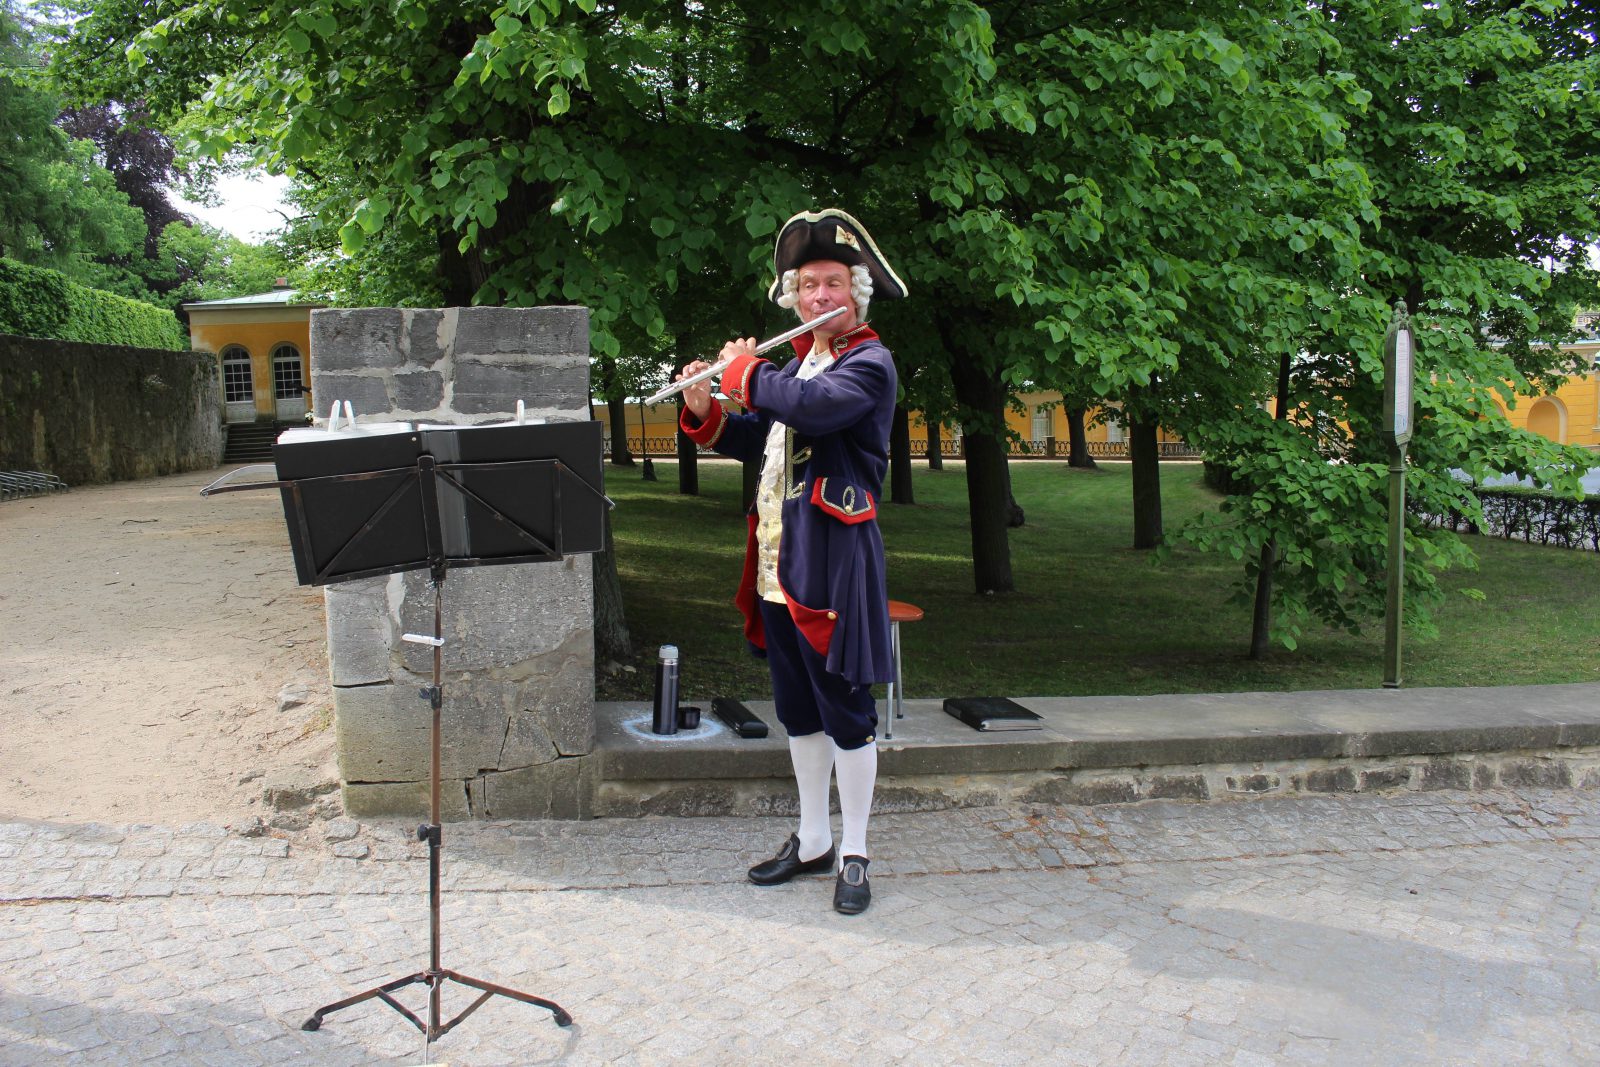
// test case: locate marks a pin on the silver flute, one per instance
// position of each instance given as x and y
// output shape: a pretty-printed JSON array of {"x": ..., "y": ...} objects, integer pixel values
[{"x": 773, "y": 342}]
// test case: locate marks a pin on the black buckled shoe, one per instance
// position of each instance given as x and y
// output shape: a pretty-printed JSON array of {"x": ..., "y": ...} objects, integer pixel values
[
  {"x": 787, "y": 863},
  {"x": 852, "y": 892}
]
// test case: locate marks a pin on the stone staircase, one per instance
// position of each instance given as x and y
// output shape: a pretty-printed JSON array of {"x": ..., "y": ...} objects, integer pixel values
[{"x": 251, "y": 442}]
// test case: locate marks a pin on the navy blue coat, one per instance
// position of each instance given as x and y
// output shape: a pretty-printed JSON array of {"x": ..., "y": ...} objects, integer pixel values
[{"x": 830, "y": 557}]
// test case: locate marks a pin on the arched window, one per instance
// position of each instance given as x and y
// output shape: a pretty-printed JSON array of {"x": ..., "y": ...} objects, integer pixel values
[
  {"x": 238, "y": 383},
  {"x": 287, "y": 382},
  {"x": 1548, "y": 417}
]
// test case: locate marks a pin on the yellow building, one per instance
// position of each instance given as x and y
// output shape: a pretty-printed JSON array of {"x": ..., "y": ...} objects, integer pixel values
[
  {"x": 263, "y": 347},
  {"x": 1043, "y": 418},
  {"x": 1570, "y": 415}
]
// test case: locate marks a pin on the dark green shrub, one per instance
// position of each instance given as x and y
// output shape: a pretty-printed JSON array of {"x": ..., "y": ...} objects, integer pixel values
[{"x": 35, "y": 302}]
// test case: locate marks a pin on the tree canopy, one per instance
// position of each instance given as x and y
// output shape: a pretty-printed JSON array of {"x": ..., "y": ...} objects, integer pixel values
[
  {"x": 58, "y": 207},
  {"x": 1156, "y": 206}
]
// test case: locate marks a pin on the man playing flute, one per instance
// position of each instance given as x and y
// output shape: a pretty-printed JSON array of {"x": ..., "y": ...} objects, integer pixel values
[{"x": 813, "y": 593}]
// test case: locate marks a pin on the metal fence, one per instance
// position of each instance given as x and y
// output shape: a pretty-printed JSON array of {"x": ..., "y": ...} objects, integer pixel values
[
  {"x": 28, "y": 483},
  {"x": 1055, "y": 448},
  {"x": 950, "y": 448}
]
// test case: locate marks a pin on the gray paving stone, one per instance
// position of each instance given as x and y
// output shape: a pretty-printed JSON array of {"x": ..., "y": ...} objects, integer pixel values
[{"x": 1323, "y": 929}]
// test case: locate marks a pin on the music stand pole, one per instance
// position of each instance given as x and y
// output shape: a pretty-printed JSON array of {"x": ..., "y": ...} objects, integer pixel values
[{"x": 436, "y": 975}]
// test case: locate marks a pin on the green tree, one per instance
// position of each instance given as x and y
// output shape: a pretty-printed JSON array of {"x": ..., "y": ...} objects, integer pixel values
[
  {"x": 1479, "y": 142},
  {"x": 200, "y": 262},
  {"x": 58, "y": 207}
]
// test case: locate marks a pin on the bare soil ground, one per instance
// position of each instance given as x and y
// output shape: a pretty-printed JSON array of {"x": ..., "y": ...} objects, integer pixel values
[{"x": 147, "y": 635}]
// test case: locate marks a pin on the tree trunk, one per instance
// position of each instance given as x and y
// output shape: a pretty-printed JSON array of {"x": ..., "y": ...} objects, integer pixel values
[
  {"x": 1146, "y": 457},
  {"x": 618, "y": 412},
  {"x": 611, "y": 640},
  {"x": 1078, "y": 440},
  {"x": 988, "y": 483},
  {"x": 455, "y": 274},
  {"x": 1261, "y": 620},
  {"x": 900, "y": 491},
  {"x": 988, "y": 511},
  {"x": 935, "y": 447},
  {"x": 1014, "y": 514},
  {"x": 688, "y": 468}
]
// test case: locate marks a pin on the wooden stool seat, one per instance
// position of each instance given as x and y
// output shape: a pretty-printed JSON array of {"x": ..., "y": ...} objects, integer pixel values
[{"x": 899, "y": 612}]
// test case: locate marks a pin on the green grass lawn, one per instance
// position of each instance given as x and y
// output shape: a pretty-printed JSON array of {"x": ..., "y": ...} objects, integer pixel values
[{"x": 1091, "y": 616}]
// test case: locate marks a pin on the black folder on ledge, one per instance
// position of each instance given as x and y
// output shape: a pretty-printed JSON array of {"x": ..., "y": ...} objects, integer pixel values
[{"x": 991, "y": 714}]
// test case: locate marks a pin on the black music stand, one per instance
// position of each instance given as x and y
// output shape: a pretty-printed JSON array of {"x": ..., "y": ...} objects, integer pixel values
[{"x": 437, "y": 497}]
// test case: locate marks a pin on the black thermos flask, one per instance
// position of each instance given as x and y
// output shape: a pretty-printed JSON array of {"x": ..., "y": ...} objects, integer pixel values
[{"x": 664, "y": 720}]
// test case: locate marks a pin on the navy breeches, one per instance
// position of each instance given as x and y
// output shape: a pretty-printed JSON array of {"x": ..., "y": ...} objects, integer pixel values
[{"x": 808, "y": 697}]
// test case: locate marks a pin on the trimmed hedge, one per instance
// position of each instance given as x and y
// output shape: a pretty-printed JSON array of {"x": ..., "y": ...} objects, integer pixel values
[
  {"x": 35, "y": 302},
  {"x": 1521, "y": 514}
]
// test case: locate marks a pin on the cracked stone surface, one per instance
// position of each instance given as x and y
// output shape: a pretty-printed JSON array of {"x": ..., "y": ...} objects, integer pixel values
[{"x": 1431, "y": 928}]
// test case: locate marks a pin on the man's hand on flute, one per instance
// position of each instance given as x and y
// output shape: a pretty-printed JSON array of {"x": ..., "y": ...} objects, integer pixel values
[{"x": 697, "y": 397}]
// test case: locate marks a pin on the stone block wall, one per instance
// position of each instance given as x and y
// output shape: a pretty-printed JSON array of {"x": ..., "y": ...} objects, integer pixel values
[
  {"x": 518, "y": 658},
  {"x": 91, "y": 413}
]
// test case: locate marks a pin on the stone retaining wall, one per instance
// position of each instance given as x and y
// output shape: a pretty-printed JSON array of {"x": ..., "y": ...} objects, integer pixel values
[
  {"x": 518, "y": 660},
  {"x": 91, "y": 413},
  {"x": 1546, "y": 768}
]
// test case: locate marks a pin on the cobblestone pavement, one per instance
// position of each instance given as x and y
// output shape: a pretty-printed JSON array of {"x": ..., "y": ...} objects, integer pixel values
[{"x": 1424, "y": 928}]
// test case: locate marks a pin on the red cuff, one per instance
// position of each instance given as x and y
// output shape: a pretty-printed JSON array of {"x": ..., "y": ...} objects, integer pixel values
[
  {"x": 739, "y": 377},
  {"x": 708, "y": 433}
]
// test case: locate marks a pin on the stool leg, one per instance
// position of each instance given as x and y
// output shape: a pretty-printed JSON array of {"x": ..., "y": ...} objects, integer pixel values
[
  {"x": 899, "y": 684},
  {"x": 891, "y": 696}
]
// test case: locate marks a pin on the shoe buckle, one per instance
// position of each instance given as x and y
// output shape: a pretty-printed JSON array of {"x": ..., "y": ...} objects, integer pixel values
[{"x": 853, "y": 874}]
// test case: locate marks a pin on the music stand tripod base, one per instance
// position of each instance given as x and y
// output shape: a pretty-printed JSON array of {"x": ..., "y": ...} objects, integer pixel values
[
  {"x": 367, "y": 507},
  {"x": 432, "y": 832}
]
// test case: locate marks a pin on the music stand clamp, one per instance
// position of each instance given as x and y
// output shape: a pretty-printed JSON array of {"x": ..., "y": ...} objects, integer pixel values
[{"x": 414, "y": 494}]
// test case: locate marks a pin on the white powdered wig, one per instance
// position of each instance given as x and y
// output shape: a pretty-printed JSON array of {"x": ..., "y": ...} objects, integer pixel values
[{"x": 860, "y": 290}]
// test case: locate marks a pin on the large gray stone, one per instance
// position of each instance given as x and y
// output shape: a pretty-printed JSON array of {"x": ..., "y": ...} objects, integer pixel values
[
  {"x": 429, "y": 335},
  {"x": 561, "y": 790},
  {"x": 561, "y": 383},
  {"x": 1200, "y": 728},
  {"x": 418, "y": 391},
  {"x": 383, "y": 730},
  {"x": 543, "y": 331},
  {"x": 382, "y": 733},
  {"x": 558, "y": 699},
  {"x": 356, "y": 338},
  {"x": 498, "y": 617},
  {"x": 374, "y": 799},
  {"x": 359, "y": 631},
  {"x": 1382, "y": 722},
  {"x": 368, "y": 394}
]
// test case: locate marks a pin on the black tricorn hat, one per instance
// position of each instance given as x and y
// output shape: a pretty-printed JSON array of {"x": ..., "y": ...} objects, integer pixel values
[{"x": 832, "y": 234}]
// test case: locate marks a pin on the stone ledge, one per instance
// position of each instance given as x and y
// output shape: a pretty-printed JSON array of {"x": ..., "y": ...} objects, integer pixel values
[{"x": 1121, "y": 749}]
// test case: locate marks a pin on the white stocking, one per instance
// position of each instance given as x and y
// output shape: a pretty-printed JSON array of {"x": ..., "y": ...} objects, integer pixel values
[
  {"x": 812, "y": 756},
  {"x": 857, "y": 770}
]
